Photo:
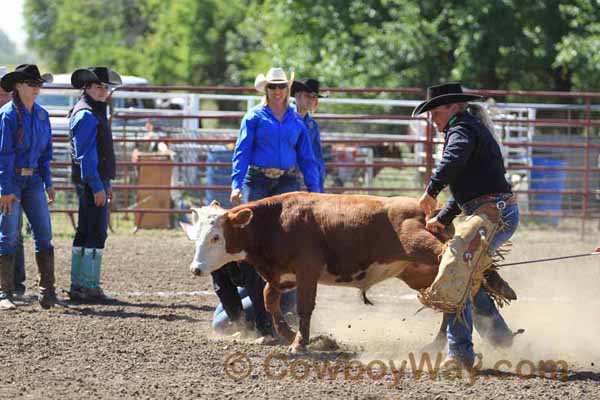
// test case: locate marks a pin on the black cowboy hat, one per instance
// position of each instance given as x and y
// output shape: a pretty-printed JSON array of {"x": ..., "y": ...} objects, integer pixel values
[
  {"x": 83, "y": 77},
  {"x": 440, "y": 95},
  {"x": 24, "y": 72},
  {"x": 306, "y": 85}
]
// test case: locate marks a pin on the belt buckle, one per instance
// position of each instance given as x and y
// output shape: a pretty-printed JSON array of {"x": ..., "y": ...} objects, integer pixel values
[
  {"x": 272, "y": 173},
  {"x": 27, "y": 171}
]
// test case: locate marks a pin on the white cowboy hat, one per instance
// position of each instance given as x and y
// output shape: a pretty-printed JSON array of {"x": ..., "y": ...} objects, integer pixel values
[{"x": 275, "y": 75}]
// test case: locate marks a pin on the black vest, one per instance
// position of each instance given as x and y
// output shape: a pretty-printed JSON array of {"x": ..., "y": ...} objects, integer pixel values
[{"x": 104, "y": 141}]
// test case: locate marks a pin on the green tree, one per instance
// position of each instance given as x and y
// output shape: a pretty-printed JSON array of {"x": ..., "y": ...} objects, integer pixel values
[{"x": 504, "y": 44}]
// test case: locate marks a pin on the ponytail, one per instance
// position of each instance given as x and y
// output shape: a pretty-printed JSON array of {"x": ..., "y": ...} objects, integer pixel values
[
  {"x": 480, "y": 112},
  {"x": 18, "y": 104}
]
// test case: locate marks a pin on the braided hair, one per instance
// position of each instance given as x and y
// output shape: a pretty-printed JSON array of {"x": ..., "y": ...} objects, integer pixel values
[{"x": 18, "y": 106}]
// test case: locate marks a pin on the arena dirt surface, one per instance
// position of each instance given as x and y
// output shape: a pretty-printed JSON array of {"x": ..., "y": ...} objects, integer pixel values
[{"x": 156, "y": 343}]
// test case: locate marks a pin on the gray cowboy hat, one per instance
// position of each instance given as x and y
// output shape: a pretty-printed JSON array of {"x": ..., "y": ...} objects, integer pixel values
[
  {"x": 441, "y": 95},
  {"x": 24, "y": 72},
  {"x": 83, "y": 77}
]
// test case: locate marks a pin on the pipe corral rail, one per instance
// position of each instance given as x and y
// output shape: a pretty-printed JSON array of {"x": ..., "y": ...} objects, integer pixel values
[{"x": 384, "y": 127}]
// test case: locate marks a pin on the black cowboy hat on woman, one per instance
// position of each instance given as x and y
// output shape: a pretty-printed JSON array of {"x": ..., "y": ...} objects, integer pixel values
[
  {"x": 306, "y": 93},
  {"x": 473, "y": 168},
  {"x": 93, "y": 167},
  {"x": 25, "y": 180}
]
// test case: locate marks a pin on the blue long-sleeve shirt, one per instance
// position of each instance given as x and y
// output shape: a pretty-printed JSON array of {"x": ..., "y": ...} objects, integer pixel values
[
  {"x": 33, "y": 151},
  {"x": 266, "y": 142},
  {"x": 83, "y": 126},
  {"x": 315, "y": 141}
]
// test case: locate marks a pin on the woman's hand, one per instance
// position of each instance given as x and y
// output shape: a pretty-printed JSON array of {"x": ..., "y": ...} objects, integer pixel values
[
  {"x": 100, "y": 198},
  {"x": 236, "y": 197},
  {"x": 51, "y": 194},
  {"x": 6, "y": 203}
]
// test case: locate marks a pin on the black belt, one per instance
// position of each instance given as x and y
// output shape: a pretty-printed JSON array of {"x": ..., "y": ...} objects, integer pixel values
[{"x": 26, "y": 171}]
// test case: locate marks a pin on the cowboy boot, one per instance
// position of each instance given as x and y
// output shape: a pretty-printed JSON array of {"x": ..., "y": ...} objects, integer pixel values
[
  {"x": 78, "y": 278},
  {"x": 93, "y": 267},
  {"x": 7, "y": 282},
  {"x": 499, "y": 285},
  {"x": 97, "y": 293},
  {"x": 45, "y": 263}
]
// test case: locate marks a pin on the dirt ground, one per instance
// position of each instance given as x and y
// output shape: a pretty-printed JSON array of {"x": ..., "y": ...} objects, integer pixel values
[{"x": 156, "y": 342}]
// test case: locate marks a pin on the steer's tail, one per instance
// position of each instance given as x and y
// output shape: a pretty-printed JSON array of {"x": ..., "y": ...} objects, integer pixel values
[{"x": 365, "y": 299}]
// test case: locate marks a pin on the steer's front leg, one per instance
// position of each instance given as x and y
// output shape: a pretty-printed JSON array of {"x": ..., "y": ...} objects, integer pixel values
[
  {"x": 272, "y": 298},
  {"x": 307, "y": 293}
]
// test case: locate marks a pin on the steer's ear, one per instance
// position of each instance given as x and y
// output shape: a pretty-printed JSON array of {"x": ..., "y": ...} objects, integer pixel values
[
  {"x": 188, "y": 229},
  {"x": 215, "y": 203},
  {"x": 241, "y": 218}
]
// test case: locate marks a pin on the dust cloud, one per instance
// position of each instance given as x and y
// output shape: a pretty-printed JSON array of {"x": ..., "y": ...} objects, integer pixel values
[{"x": 558, "y": 307}]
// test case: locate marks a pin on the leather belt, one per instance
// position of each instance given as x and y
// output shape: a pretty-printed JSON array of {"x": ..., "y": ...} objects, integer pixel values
[
  {"x": 272, "y": 173},
  {"x": 26, "y": 171},
  {"x": 501, "y": 199}
]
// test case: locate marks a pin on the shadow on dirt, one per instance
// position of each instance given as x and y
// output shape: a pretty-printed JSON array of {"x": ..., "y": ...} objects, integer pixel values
[{"x": 121, "y": 313}]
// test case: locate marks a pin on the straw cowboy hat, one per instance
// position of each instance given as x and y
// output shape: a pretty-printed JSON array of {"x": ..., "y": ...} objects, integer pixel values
[
  {"x": 306, "y": 85},
  {"x": 275, "y": 75},
  {"x": 440, "y": 95},
  {"x": 24, "y": 72},
  {"x": 83, "y": 77}
]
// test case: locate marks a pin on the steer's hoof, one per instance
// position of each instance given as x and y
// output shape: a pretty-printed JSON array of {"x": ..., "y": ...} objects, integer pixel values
[{"x": 297, "y": 349}]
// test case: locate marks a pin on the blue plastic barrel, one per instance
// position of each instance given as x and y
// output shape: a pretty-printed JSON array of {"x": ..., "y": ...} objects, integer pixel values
[
  {"x": 548, "y": 180},
  {"x": 219, "y": 176}
]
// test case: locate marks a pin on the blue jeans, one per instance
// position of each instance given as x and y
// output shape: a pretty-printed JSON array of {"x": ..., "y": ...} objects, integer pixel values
[
  {"x": 20, "y": 275},
  {"x": 257, "y": 186},
  {"x": 92, "y": 221},
  {"x": 32, "y": 195},
  {"x": 488, "y": 321},
  {"x": 221, "y": 319},
  {"x": 226, "y": 281},
  {"x": 32, "y": 200}
]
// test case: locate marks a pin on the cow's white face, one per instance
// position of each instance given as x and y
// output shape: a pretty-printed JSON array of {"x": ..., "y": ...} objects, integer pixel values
[{"x": 208, "y": 233}]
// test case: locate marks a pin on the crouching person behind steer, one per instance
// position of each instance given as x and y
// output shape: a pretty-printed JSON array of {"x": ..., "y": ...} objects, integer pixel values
[
  {"x": 93, "y": 166},
  {"x": 473, "y": 168},
  {"x": 25, "y": 154}
]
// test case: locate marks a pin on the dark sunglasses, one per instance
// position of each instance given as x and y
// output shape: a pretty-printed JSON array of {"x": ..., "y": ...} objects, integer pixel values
[
  {"x": 277, "y": 86},
  {"x": 34, "y": 83}
]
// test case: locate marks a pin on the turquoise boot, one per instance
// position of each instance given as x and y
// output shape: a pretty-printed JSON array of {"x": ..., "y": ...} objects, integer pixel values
[
  {"x": 95, "y": 293},
  {"x": 77, "y": 284},
  {"x": 80, "y": 274}
]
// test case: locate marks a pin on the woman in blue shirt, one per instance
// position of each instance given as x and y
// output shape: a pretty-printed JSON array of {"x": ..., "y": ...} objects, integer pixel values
[
  {"x": 92, "y": 168},
  {"x": 273, "y": 139},
  {"x": 25, "y": 154},
  {"x": 307, "y": 96}
]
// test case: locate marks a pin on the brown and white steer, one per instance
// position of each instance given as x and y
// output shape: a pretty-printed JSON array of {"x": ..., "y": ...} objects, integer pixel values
[{"x": 297, "y": 240}]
